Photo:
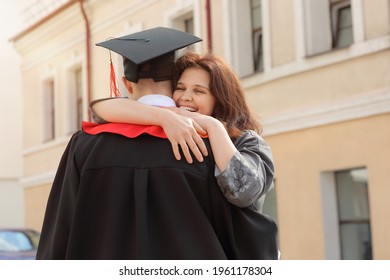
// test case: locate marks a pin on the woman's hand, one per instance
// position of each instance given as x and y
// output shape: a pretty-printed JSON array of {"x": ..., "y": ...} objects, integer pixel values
[
  {"x": 221, "y": 145},
  {"x": 181, "y": 131},
  {"x": 184, "y": 132},
  {"x": 200, "y": 120}
]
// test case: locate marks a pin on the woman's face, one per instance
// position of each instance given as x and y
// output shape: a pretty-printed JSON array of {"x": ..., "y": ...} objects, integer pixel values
[{"x": 192, "y": 92}]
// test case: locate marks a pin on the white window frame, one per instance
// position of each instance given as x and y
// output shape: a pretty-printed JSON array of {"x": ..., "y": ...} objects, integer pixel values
[
  {"x": 70, "y": 112},
  {"x": 271, "y": 201},
  {"x": 237, "y": 29},
  {"x": 238, "y": 18},
  {"x": 330, "y": 215},
  {"x": 50, "y": 76},
  {"x": 317, "y": 25},
  {"x": 256, "y": 47},
  {"x": 335, "y": 8},
  {"x": 181, "y": 11}
]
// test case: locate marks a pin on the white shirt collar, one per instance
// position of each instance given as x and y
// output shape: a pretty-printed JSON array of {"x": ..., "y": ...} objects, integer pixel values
[{"x": 157, "y": 100}]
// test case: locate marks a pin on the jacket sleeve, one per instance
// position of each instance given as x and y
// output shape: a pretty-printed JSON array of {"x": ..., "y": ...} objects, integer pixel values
[
  {"x": 60, "y": 207},
  {"x": 95, "y": 117},
  {"x": 250, "y": 172}
]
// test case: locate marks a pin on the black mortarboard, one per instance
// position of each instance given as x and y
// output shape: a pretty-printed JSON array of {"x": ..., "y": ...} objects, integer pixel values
[{"x": 150, "y": 53}]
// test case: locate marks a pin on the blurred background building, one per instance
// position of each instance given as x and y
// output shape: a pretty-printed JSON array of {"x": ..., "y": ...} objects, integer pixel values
[
  {"x": 315, "y": 71},
  {"x": 11, "y": 191}
]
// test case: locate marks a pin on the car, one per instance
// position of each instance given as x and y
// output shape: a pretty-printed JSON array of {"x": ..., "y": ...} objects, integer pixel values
[{"x": 18, "y": 244}]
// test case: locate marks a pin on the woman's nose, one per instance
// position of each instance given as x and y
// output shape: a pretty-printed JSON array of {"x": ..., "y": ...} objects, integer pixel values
[{"x": 186, "y": 95}]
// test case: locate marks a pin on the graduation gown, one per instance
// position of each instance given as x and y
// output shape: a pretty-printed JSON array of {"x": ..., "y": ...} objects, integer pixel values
[{"x": 115, "y": 197}]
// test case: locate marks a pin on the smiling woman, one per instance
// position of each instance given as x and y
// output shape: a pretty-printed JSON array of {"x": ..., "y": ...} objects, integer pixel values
[
  {"x": 210, "y": 96},
  {"x": 192, "y": 92}
]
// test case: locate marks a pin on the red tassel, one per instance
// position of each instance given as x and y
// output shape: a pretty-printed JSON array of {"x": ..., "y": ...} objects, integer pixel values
[{"x": 114, "y": 91}]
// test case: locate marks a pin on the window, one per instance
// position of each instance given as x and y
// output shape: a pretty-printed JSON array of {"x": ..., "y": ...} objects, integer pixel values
[
  {"x": 257, "y": 35},
  {"x": 353, "y": 214},
  {"x": 189, "y": 28},
  {"x": 79, "y": 97},
  {"x": 189, "y": 25},
  {"x": 184, "y": 22},
  {"x": 328, "y": 25},
  {"x": 186, "y": 16},
  {"x": 240, "y": 41},
  {"x": 74, "y": 98},
  {"x": 48, "y": 111},
  {"x": 270, "y": 206},
  {"x": 342, "y": 32}
]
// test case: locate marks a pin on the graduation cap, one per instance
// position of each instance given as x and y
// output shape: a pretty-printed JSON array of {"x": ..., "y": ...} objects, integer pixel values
[{"x": 150, "y": 53}]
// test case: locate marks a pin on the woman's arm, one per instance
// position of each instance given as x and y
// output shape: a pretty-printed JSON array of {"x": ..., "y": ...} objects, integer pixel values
[
  {"x": 125, "y": 110},
  {"x": 250, "y": 172},
  {"x": 181, "y": 131},
  {"x": 221, "y": 144},
  {"x": 244, "y": 169}
]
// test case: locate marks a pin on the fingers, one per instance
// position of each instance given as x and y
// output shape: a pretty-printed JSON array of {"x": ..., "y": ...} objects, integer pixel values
[
  {"x": 176, "y": 151},
  {"x": 195, "y": 146},
  {"x": 183, "y": 135},
  {"x": 189, "y": 146},
  {"x": 186, "y": 152},
  {"x": 198, "y": 140}
]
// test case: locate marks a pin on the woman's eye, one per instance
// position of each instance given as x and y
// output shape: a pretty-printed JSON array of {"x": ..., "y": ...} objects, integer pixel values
[{"x": 179, "y": 88}]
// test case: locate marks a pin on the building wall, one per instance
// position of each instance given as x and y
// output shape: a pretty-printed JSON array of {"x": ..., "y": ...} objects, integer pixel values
[
  {"x": 377, "y": 20},
  {"x": 324, "y": 85},
  {"x": 321, "y": 113},
  {"x": 282, "y": 29},
  {"x": 351, "y": 144},
  {"x": 35, "y": 202},
  {"x": 11, "y": 203},
  {"x": 46, "y": 54},
  {"x": 11, "y": 192}
]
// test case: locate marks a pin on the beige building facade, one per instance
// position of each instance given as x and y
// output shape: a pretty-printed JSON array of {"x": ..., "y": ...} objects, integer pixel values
[
  {"x": 315, "y": 72},
  {"x": 11, "y": 192}
]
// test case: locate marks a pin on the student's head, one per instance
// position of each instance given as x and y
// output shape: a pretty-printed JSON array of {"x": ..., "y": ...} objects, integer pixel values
[
  {"x": 159, "y": 69},
  {"x": 151, "y": 77},
  {"x": 206, "y": 84},
  {"x": 149, "y": 54}
]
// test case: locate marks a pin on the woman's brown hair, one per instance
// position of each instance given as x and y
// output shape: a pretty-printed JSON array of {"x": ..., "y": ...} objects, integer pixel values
[{"x": 231, "y": 107}]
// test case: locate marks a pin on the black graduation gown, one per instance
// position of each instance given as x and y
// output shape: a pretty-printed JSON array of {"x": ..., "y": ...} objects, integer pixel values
[{"x": 119, "y": 198}]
